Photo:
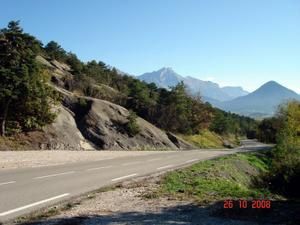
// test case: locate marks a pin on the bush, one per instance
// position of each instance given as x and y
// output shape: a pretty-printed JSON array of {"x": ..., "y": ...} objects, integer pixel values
[
  {"x": 13, "y": 127},
  {"x": 285, "y": 171},
  {"x": 284, "y": 178},
  {"x": 131, "y": 126}
]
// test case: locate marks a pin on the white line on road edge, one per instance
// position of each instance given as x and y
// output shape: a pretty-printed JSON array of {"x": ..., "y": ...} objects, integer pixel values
[
  {"x": 33, "y": 204},
  {"x": 192, "y": 160},
  {"x": 127, "y": 176},
  {"x": 131, "y": 163},
  {"x": 164, "y": 167},
  {"x": 10, "y": 182},
  {"x": 99, "y": 168},
  {"x": 54, "y": 175}
]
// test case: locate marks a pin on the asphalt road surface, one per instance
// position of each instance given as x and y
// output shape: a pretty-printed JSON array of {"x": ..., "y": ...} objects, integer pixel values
[{"x": 25, "y": 190}]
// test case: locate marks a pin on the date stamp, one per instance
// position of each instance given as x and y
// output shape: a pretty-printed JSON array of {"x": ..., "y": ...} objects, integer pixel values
[{"x": 245, "y": 204}]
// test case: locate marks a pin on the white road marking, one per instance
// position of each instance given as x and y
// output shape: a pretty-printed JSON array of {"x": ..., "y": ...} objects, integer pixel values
[
  {"x": 156, "y": 159},
  {"x": 131, "y": 163},
  {"x": 127, "y": 176},
  {"x": 164, "y": 167},
  {"x": 99, "y": 168},
  {"x": 192, "y": 160},
  {"x": 33, "y": 204},
  {"x": 54, "y": 175},
  {"x": 10, "y": 182}
]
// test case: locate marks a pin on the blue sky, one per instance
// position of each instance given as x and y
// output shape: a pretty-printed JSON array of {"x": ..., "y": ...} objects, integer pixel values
[{"x": 231, "y": 42}]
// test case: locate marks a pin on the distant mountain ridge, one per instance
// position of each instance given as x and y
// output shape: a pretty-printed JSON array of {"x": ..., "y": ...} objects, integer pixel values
[
  {"x": 263, "y": 101},
  {"x": 166, "y": 77}
]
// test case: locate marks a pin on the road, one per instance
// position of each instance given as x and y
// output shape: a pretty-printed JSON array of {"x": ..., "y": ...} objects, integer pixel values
[{"x": 25, "y": 190}]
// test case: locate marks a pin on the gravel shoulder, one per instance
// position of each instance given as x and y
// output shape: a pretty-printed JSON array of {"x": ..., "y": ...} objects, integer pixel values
[
  {"x": 26, "y": 159},
  {"x": 129, "y": 203}
]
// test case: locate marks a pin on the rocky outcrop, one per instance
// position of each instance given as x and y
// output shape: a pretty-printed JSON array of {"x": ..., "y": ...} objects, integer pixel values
[
  {"x": 179, "y": 142},
  {"x": 91, "y": 123},
  {"x": 64, "y": 134},
  {"x": 104, "y": 125}
]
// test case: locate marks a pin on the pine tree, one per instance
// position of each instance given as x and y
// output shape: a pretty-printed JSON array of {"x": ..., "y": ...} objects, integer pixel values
[{"x": 24, "y": 94}]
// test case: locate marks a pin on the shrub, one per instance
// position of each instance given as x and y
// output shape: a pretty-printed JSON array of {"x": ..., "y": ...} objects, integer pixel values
[
  {"x": 285, "y": 171},
  {"x": 131, "y": 126}
]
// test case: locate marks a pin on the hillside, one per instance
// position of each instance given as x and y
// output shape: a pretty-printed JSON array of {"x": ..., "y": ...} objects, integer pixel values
[
  {"x": 59, "y": 102},
  {"x": 167, "y": 77},
  {"x": 263, "y": 101}
]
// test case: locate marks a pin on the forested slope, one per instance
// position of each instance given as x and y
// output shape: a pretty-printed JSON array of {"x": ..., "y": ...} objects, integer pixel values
[{"x": 36, "y": 80}]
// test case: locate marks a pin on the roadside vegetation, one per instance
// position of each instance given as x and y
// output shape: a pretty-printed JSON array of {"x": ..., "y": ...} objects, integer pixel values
[
  {"x": 243, "y": 175},
  {"x": 132, "y": 126},
  {"x": 205, "y": 139},
  {"x": 209, "y": 139},
  {"x": 218, "y": 179},
  {"x": 284, "y": 174}
]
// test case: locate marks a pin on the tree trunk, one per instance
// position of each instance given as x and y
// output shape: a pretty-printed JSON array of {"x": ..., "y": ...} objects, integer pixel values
[{"x": 4, "y": 118}]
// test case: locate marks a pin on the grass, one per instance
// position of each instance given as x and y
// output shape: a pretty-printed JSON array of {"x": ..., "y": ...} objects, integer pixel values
[
  {"x": 209, "y": 139},
  {"x": 222, "y": 178},
  {"x": 206, "y": 139}
]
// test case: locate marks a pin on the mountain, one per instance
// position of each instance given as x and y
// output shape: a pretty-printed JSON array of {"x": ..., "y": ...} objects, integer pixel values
[
  {"x": 167, "y": 77},
  {"x": 260, "y": 103},
  {"x": 234, "y": 92},
  {"x": 263, "y": 101},
  {"x": 206, "y": 89}
]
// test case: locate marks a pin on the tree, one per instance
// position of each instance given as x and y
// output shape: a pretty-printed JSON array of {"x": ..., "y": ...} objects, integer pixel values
[
  {"x": 75, "y": 63},
  {"x": 285, "y": 167},
  {"x": 201, "y": 115},
  {"x": 268, "y": 129},
  {"x": 55, "y": 51},
  {"x": 174, "y": 110},
  {"x": 24, "y": 94},
  {"x": 220, "y": 123}
]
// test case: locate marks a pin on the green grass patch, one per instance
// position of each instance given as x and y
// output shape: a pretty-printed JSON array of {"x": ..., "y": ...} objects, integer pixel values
[
  {"x": 206, "y": 139},
  {"x": 222, "y": 178}
]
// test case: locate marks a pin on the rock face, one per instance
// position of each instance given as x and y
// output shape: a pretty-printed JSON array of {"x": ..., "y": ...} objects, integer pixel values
[
  {"x": 104, "y": 124},
  {"x": 64, "y": 134},
  {"x": 91, "y": 123}
]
